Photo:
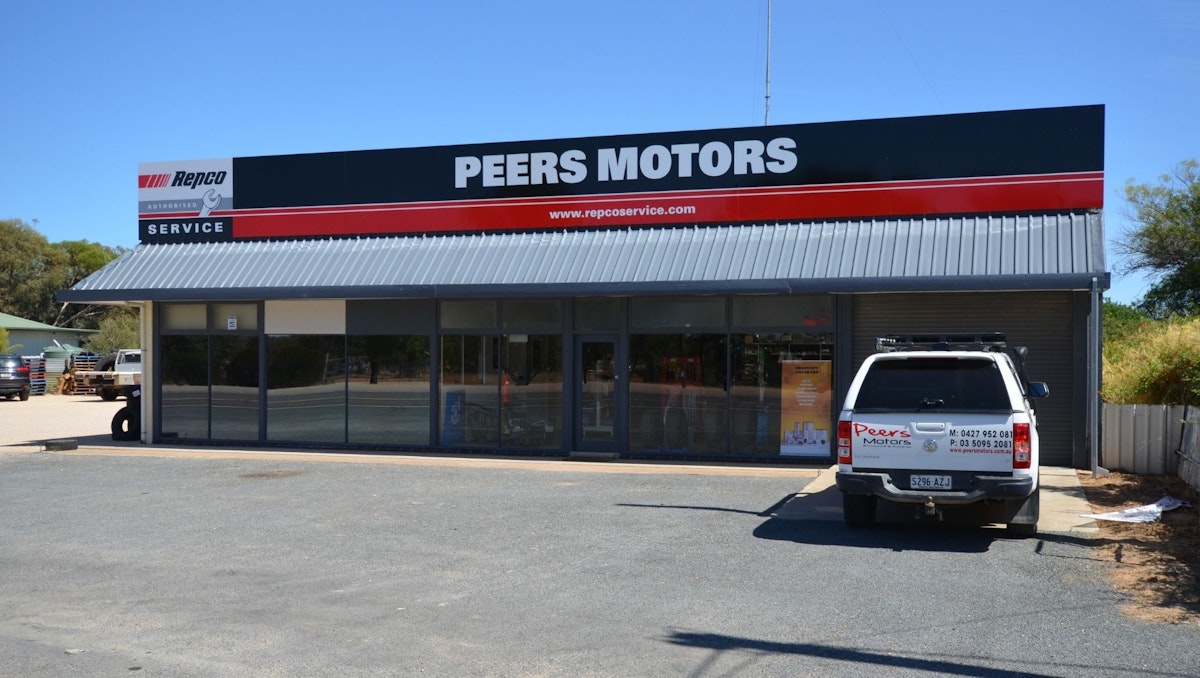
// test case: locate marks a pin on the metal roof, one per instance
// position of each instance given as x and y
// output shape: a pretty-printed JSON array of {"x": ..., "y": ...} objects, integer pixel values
[
  {"x": 12, "y": 322},
  {"x": 1011, "y": 252}
]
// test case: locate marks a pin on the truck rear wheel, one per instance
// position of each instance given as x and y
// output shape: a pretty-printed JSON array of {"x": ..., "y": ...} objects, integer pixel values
[
  {"x": 1021, "y": 529},
  {"x": 858, "y": 509},
  {"x": 108, "y": 393},
  {"x": 1023, "y": 515}
]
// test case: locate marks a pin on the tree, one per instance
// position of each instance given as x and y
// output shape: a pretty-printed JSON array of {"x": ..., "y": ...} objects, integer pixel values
[
  {"x": 22, "y": 268},
  {"x": 33, "y": 270},
  {"x": 120, "y": 328},
  {"x": 82, "y": 259},
  {"x": 1167, "y": 242},
  {"x": 1122, "y": 322},
  {"x": 1176, "y": 294}
]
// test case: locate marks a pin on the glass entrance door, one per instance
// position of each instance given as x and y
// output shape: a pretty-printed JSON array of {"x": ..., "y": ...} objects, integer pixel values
[{"x": 599, "y": 395}]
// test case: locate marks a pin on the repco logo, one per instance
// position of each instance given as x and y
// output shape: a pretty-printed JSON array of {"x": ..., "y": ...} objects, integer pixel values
[{"x": 194, "y": 179}]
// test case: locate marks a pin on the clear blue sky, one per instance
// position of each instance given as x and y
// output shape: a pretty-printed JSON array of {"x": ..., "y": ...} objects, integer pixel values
[{"x": 90, "y": 89}]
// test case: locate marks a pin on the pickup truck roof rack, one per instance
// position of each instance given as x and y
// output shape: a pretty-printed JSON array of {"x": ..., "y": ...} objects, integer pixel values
[{"x": 989, "y": 341}]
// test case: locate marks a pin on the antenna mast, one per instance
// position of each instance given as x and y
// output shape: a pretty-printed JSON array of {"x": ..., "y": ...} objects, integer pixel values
[{"x": 767, "y": 103}]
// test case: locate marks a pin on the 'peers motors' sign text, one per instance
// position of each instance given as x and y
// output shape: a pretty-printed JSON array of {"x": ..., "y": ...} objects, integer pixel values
[
  {"x": 1006, "y": 161},
  {"x": 628, "y": 163}
]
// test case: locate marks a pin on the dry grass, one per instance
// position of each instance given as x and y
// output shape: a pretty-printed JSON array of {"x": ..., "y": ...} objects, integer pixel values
[
  {"x": 1159, "y": 363},
  {"x": 1156, "y": 564}
]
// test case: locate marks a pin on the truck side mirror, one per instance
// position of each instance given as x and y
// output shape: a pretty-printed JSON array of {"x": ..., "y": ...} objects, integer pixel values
[{"x": 1038, "y": 389}]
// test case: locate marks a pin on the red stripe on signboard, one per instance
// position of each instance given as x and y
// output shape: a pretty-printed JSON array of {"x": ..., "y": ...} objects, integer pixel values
[
  {"x": 153, "y": 180},
  {"x": 882, "y": 199}
]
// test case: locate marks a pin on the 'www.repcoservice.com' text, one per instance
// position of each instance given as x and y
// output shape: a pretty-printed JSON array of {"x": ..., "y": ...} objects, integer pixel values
[{"x": 619, "y": 212}]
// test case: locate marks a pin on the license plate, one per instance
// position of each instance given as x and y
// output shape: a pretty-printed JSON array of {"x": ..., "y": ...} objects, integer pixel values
[{"x": 926, "y": 482}]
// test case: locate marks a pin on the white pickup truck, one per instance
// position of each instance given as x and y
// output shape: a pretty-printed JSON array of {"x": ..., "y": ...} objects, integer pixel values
[
  {"x": 113, "y": 373},
  {"x": 941, "y": 420}
]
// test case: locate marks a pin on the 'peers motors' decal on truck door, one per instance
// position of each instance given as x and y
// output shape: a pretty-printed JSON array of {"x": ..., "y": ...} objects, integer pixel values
[
  {"x": 881, "y": 435},
  {"x": 189, "y": 201}
]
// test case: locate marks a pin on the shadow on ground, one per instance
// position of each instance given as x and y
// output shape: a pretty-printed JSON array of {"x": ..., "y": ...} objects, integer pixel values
[
  {"x": 816, "y": 518},
  {"x": 884, "y": 662}
]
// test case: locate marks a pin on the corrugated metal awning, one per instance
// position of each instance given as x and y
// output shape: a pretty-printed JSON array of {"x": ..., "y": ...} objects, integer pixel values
[{"x": 1042, "y": 252}]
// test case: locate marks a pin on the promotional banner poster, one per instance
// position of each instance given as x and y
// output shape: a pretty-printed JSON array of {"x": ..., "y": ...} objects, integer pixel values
[{"x": 806, "y": 407}]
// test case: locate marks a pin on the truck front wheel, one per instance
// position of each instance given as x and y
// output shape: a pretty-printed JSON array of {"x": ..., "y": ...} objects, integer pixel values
[{"x": 858, "y": 510}]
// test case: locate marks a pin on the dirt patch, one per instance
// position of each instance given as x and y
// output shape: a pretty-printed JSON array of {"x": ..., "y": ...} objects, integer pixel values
[{"x": 1156, "y": 564}]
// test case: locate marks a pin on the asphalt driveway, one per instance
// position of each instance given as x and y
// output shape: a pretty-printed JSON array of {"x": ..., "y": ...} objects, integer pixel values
[{"x": 125, "y": 559}]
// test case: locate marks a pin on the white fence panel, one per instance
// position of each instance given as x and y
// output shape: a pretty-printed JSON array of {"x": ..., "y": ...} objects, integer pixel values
[
  {"x": 1189, "y": 451},
  {"x": 1142, "y": 438}
]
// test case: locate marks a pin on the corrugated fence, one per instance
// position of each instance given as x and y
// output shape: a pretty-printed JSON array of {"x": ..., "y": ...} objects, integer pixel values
[{"x": 1152, "y": 439}]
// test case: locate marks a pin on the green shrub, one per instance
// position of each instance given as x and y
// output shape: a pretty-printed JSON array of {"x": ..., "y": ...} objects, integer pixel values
[
  {"x": 6, "y": 347},
  {"x": 1157, "y": 365}
]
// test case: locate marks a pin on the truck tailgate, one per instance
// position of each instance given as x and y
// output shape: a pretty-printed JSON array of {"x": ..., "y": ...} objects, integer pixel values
[{"x": 941, "y": 441}]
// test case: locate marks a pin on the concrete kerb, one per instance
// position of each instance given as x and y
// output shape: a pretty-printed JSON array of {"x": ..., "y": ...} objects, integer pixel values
[
  {"x": 441, "y": 459},
  {"x": 1064, "y": 503}
]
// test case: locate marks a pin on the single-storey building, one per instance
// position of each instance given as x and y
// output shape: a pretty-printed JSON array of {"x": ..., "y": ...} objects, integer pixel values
[
  {"x": 30, "y": 337},
  {"x": 700, "y": 295}
]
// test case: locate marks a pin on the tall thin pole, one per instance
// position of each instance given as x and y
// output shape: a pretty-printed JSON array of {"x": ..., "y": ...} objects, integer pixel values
[
  {"x": 1093, "y": 382},
  {"x": 767, "y": 106}
]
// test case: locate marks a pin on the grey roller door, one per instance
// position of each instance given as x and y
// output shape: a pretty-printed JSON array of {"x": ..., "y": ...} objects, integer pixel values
[{"x": 1041, "y": 321}]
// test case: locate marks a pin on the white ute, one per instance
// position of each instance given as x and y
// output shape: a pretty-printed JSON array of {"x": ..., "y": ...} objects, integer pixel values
[
  {"x": 116, "y": 373},
  {"x": 941, "y": 420}
]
